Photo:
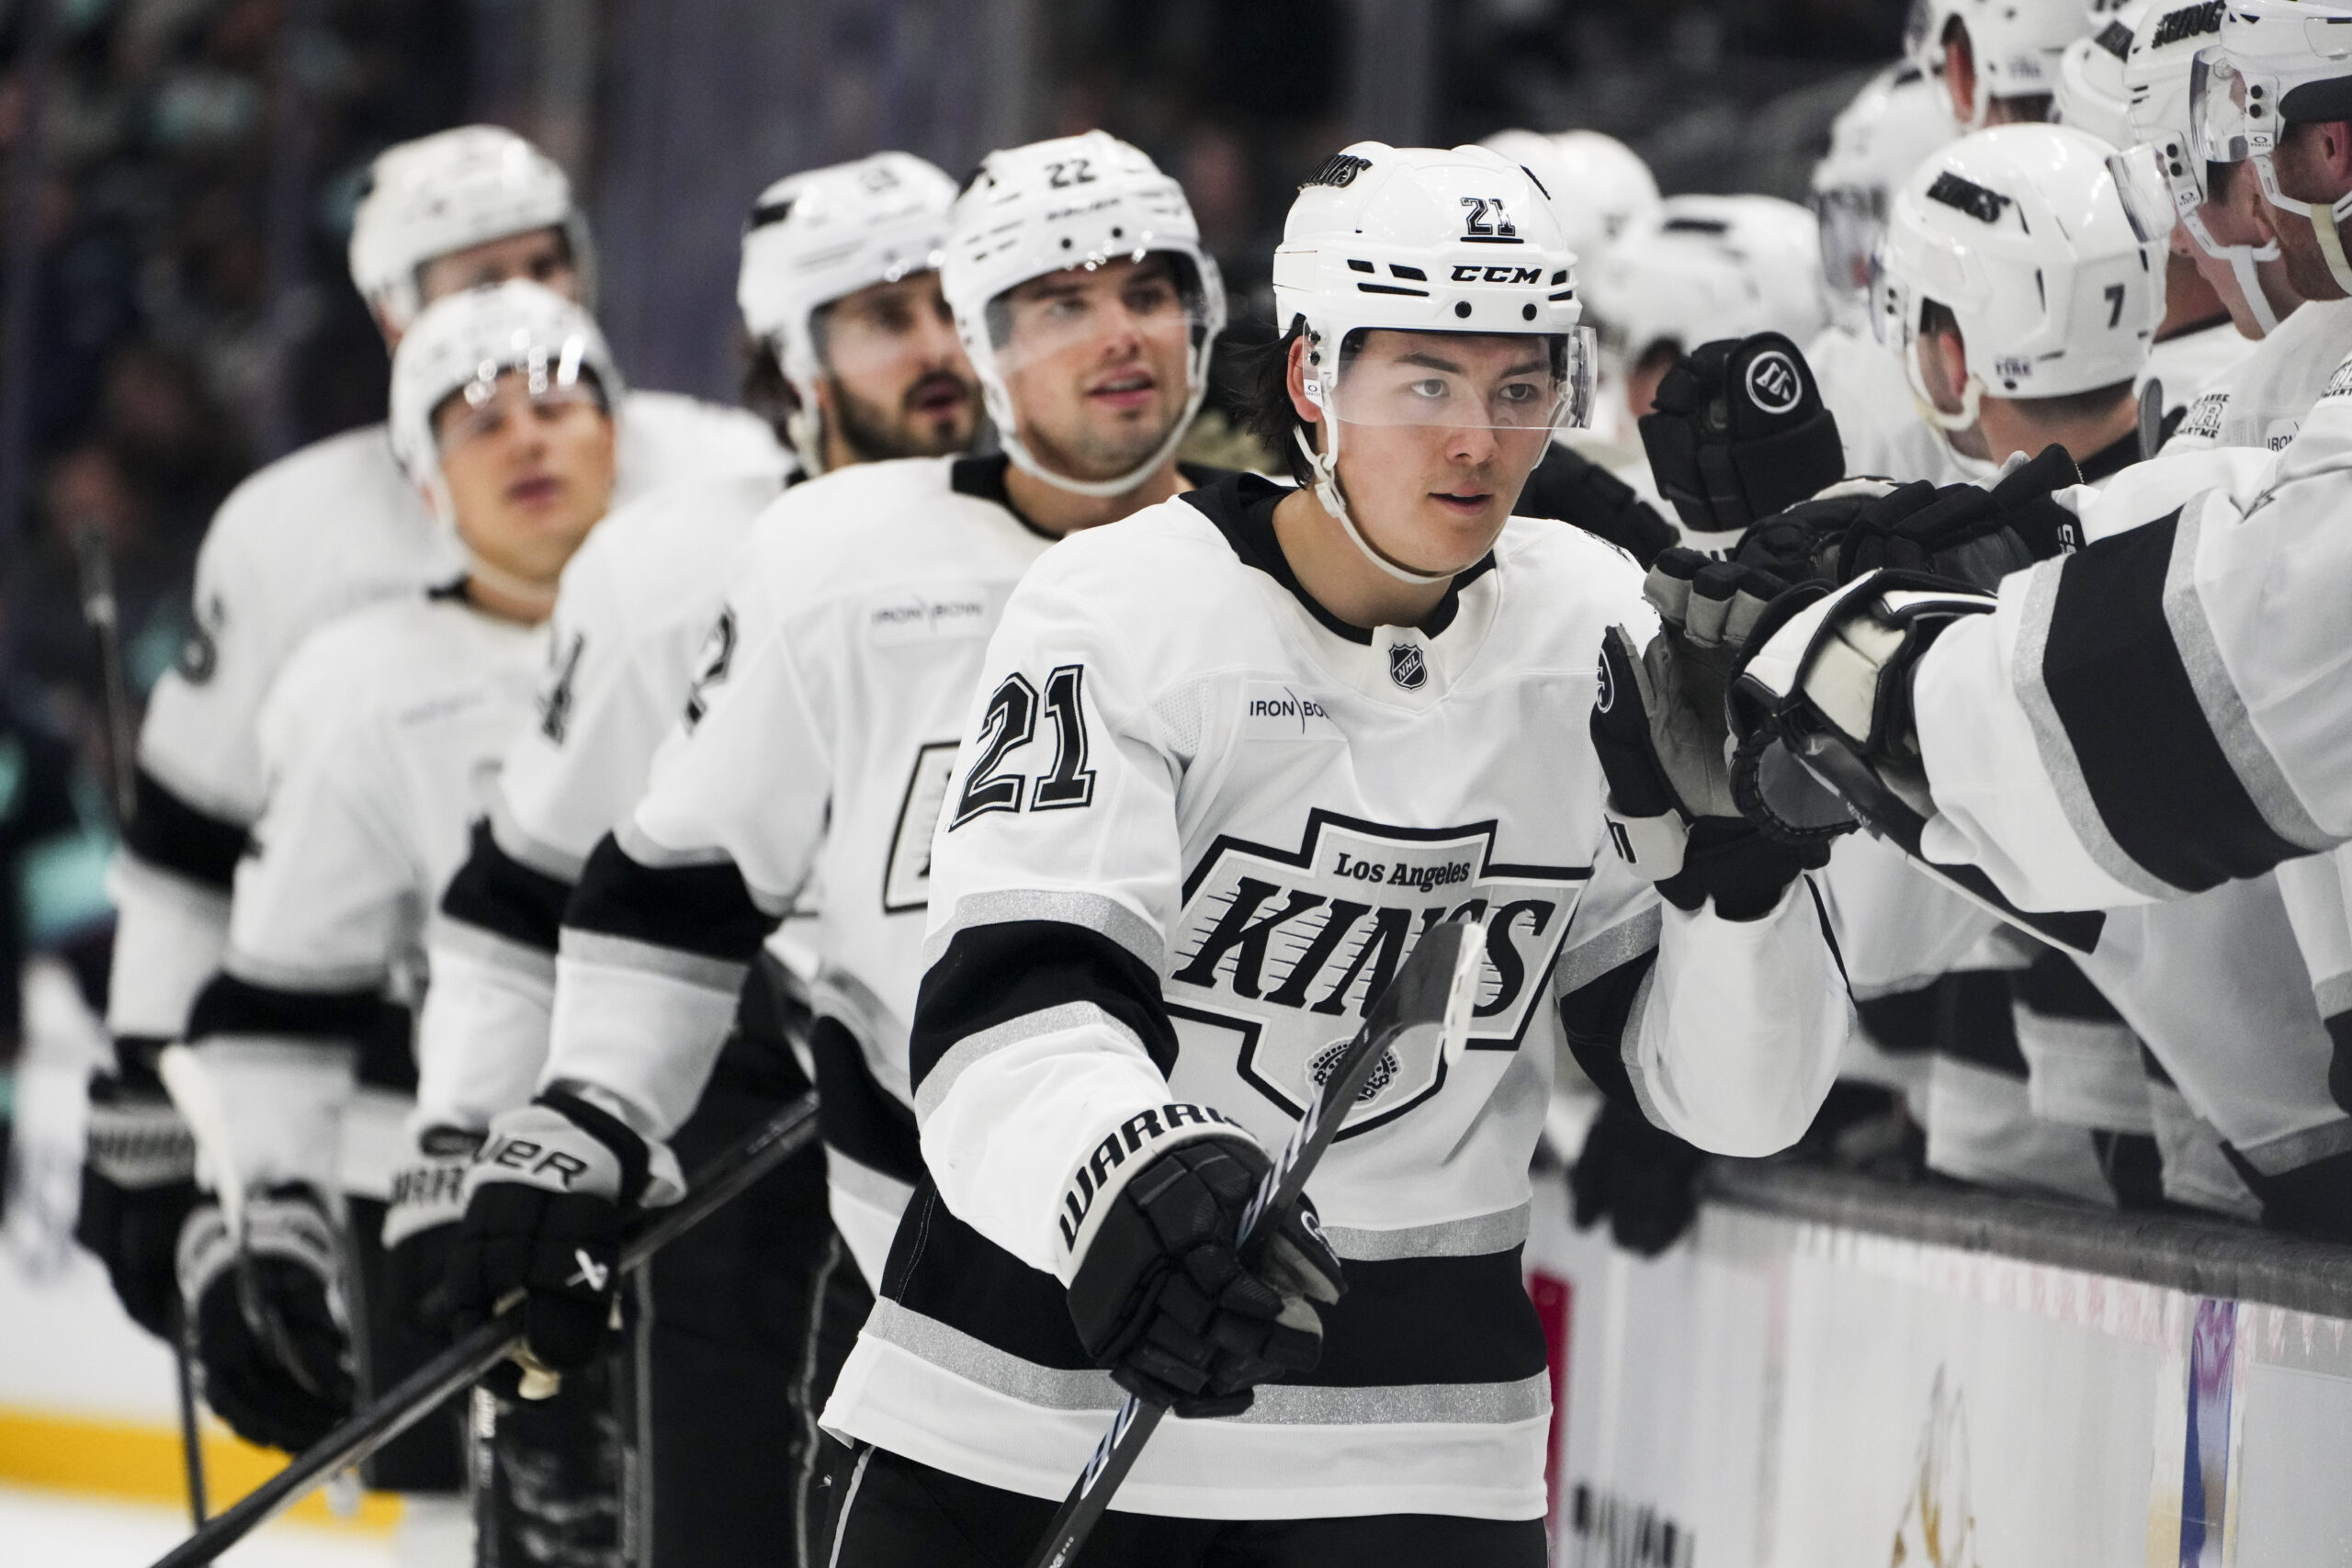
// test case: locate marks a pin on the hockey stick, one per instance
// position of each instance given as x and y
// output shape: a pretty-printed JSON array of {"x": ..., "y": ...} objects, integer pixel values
[
  {"x": 466, "y": 1362},
  {"x": 1435, "y": 990}
]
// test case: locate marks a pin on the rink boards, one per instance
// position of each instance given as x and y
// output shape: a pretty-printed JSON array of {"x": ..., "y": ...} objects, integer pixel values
[{"x": 1945, "y": 1380}]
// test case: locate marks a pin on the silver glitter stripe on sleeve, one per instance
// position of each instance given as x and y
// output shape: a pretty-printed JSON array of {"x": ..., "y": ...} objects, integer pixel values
[
  {"x": 303, "y": 981},
  {"x": 491, "y": 947},
  {"x": 973, "y": 1048},
  {"x": 1475, "y": 1237},
  {"x": 1088, "y": 911},
  {"x": 952, "y": 1350},
  {"x": 1629, "y": 1051},
  {"x": 2217, "y": 696},
  {"x": 1612, "y": 949},
  {"x": 2334, "y": 995},
  {"x": 873, "y": 1187},
  {"x": 2057, "y": 752},
  {"x": 2279, "y": 1155},
  {"x": 645, "y": 958},
  {"x": 1278, "y": 1404}
]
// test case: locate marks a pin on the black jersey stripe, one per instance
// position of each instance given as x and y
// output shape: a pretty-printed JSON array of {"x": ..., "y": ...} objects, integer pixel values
[
  {"x": 380, "y": 1027},
  {"x": 2156, "y": 773},
  {"x": 855, "y": 1114},
  {"x": 497, "y": 893},
  {"x": 1594, "y": 1017},
  {"x": 1900, "y": 1022},
  {"x": 705, "y": 910},
  {"x": 990, "y": 975},
  {"x": 2055, "y": 987},
  {"x": 169, "y": 834},
  {"x": 1405, "y": 1321},
  {"x": 1973, "y": 1022}
]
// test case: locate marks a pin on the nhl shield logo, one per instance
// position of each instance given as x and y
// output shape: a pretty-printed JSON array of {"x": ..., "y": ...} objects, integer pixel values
[{"x": 1406, "y": 666}]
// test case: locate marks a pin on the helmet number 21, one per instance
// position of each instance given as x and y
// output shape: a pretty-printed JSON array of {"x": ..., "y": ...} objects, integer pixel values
[{"x": 1482, "y": 208}]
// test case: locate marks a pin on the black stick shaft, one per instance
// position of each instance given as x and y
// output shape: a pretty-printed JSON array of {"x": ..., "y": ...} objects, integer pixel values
[
  {"x": 1417, "y": 995},
  {"x": 465, "y": 1363},
  {"x": 191, "y": 1433}
]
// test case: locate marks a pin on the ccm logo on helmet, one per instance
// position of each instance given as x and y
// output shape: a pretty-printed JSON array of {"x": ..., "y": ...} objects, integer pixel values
[{"x": 1469, "y": 272}]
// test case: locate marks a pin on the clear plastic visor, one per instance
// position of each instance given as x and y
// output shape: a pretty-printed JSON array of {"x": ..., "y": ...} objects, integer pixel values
[
  {"x": 1148, "y": 307},
  {"x": 1504, "y": 381},
  {"x": 1851, "y": 219},
  {"x": 2141, "y": 184},
  {"x": 2230, "y": 118},
  {"x": 483, "y": 406}
]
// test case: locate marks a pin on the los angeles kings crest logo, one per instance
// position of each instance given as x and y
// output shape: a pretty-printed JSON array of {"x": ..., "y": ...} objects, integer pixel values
[{"x": 1279, "y": 952}]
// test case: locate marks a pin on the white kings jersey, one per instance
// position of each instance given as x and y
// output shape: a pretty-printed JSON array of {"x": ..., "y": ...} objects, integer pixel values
[
  {"x": 816, "y": 744},
  {"x": 2261, "y": 401},
  {"x": 637, "y": 605},
  {"x": 314, "y": 535},
  {"x": 2192, "y": 362},
  {"x": 1195, "y": 824},
  {"x": 380, "y": 741}
]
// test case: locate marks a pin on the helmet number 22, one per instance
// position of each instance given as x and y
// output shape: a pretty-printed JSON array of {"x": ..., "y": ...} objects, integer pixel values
[{"x": 1064, "y": 173}]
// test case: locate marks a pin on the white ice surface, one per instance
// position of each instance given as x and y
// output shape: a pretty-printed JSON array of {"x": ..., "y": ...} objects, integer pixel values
[{"x": 69, "y": 1530}]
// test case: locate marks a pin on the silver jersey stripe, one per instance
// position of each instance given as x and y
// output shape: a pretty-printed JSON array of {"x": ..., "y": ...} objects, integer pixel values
[
  {"x": 624, "y": 952},
  {"x": 974, "y": 1048},
  {"x": 2217, "y": 696},
  {"x": 523, "y": 849},
  {"x": 1473, "y": 1237},
  {"x": 2279, "y": 1155},
  {"x": 2334, "y": 995},
  {"x": 1281, "y": 1404},
  {"x": 491, "y": 947},
  {"x": 1612, "y": 949},
  {"x": 1088, "y": 911},
  {"x": 1629, "y": 1051},
  {"x": 874, "y": 1187},
  {"x": 2057, "y": 752},
  {"x": 337, "y": 981}
]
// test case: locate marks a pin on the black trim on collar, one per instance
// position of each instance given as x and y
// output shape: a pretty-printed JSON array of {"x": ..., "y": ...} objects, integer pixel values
[
  {"x": 2111, "y": 459},
  {"x": 983, "y": 478},
  {"x": 1243, "y": 507},
  {"x": 454, "y": 587}
]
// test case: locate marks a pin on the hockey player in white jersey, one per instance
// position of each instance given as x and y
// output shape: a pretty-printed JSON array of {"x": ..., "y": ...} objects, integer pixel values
[
  {"x": 1283, "y": 731},
  {"x": 1998, "y": 60},
  {"x": 822, "y": 724},
  {"x": 1897, "y": 121},
  {"x": 379, "y": 738},
  {"x": 840, "y": 281},
  {"x": 327, "y": 530}
]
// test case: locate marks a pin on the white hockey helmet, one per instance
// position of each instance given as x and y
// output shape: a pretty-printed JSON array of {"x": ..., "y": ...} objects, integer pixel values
[
  {"x": 2016, "y": 44},
  {"x": 448, "y": 191},
  {"x": 1708, "y": 267},
  {"x": 2047, "y": 247},
  {"x": 1423, "y": 241},
  {"x": 1895, "y": 122},
  {"x": 1073, "y": 201},
  {"x": 2158, "y": 70},
  {"x": 2092, "y": 93},
  {"x": 2278, "y": 63},
  {"x": 462, "y": 343},
  {"x": 1599, "y": 186},
  {"x": 821, "y": 235}
]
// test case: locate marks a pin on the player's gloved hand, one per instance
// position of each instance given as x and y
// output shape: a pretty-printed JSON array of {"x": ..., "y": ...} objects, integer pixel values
[
  {"x": 1641, "y": 1178},
  {"x": 421, "y": 1224},
  {"x": 545, "y": 1202},
  {"x": 1574, "y": 489},
  {"x": 273, "y": 1341},
  {"x": 1165, "y": 1301},
  {"x": 1738, "y": 433},
  {"x": 1823, "y": 692},
  {"x": 1660, "y": 730},
  {"x": 1965, "y": 532},
  {"x": 138, "y": 1186}
]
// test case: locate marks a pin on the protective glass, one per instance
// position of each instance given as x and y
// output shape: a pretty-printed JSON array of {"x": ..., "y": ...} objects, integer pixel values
[
  {"x": 2231, "y": 118},
  {"x": 1085, "y": 314},
  {"x": 490, "y": 402},
  {"x": 885, "y": 331},
  {"x": 1851, "y": 220},
  {"x": 1501, "y": 381},
  {"x": 2141, "y": 183}
]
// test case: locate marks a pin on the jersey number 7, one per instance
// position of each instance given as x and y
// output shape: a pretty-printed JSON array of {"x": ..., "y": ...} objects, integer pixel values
[{"x": 1011, "y": 723}]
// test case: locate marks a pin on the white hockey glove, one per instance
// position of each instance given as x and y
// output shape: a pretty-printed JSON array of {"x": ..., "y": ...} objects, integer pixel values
[
  {"x": 1828, "y": 686},
  {"x": 273, "y": 1339},
  {"x": 546, "y": 1201},
  {"x": 1164, "y": 1301},
  {"x": 1661, "y": 732}
]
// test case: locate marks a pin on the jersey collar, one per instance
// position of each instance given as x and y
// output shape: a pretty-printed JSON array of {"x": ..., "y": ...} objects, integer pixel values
[{"x": 983, "y": 478}]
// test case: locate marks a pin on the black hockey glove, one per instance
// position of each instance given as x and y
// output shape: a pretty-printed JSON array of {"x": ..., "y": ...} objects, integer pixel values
[
  {"x": 273, "y": 1341},
  {"x": 545, "y": 1202},
  {"x": 1737, "y": 432},
  {"x": 1164, "y": 1301},
  {"x": 421, "y": 1225},
  {"x": 1961, "y": 531},
  {"x": 1573, "y": 488},
  {"x": 138, "y": 1187},
  {"x": 1641, "y": 1178},
  {"x": 1661, "y": 732}
]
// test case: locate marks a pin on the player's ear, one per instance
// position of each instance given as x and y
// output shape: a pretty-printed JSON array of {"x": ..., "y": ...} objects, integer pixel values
[
  {"x": 1960, "y": 71},
  {"x": 1296, "y": 380}
]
